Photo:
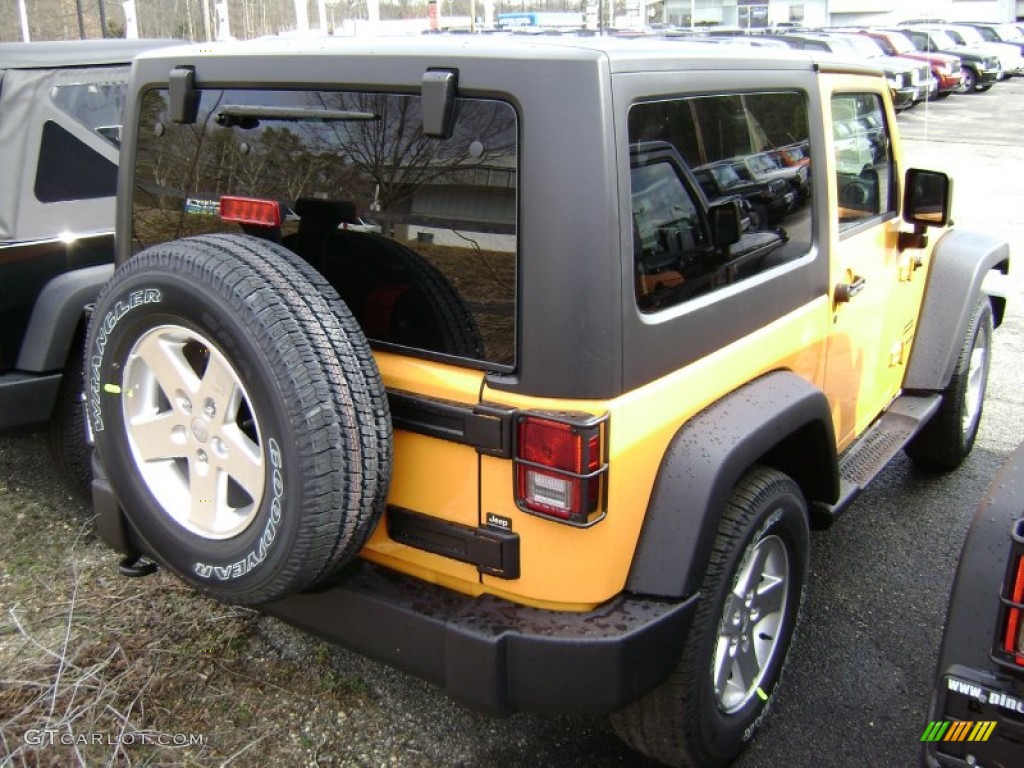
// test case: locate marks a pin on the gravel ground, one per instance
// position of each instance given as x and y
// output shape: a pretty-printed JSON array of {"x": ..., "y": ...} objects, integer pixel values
[{"x": 126, "y": 669}]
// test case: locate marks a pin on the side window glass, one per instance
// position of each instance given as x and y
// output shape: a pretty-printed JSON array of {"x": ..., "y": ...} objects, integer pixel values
[
  {"x": 94, "y": 176},
  {"x": 865, "y": 177},
  {"x": 97, "y": 106},
  {"x": 687, "y": 155}
]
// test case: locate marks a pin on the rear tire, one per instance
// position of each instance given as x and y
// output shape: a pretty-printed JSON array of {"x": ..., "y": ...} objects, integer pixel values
[
  {"x": 715, "y": 701},
  {"x": 71, "y": 453},
  {"x": 947, "y": 439},
  {"x": 239, "y": 414}
]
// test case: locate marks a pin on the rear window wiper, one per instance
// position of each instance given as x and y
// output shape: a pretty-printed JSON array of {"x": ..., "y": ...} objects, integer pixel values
[{"x": 249, "y": 116}]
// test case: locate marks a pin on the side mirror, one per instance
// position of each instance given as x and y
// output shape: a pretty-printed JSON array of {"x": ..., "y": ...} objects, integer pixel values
[
  {"x": 725, "y": 223},
  {"x": 927, "y": 198}
]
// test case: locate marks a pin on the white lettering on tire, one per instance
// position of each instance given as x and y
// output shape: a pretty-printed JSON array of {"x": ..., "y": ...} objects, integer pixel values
[{"x": 110, "y": 320}]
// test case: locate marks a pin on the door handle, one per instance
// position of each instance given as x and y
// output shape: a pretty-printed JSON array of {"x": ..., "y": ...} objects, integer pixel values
[{"x": 846, "y": 291}]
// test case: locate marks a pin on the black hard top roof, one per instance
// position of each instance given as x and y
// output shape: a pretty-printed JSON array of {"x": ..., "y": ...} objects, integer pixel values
[{"x": 74, "y": 53}]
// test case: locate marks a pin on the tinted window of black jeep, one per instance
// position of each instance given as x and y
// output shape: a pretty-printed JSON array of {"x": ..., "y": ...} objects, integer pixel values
[
  {"x": 689, "y": 153},
  {"x": 417, "y": 234}
]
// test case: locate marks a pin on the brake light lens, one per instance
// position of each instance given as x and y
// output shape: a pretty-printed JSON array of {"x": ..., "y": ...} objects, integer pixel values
[
  {"x": 1013, "y": 637},
  {"x": 560, "y": 466},
  {"x": 246, "y": 210}
]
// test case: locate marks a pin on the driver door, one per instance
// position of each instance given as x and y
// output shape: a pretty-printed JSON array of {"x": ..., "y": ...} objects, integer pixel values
[{"x": 875, "y": 289}]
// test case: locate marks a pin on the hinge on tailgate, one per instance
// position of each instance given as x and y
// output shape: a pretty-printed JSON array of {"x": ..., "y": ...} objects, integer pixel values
[{"x": 181, "y": 85}]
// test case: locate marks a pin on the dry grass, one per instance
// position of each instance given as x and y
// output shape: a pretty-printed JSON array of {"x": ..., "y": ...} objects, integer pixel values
[{"x": 96, "y": 669}]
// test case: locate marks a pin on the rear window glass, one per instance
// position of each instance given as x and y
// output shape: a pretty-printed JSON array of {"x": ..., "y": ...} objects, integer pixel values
[{"x": 418, "y": 234}]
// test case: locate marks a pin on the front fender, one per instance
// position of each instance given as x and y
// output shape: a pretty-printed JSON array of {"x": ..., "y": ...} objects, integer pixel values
[
  {"x": 959, "y": 263},
  {"x": 779, "y": 420}
]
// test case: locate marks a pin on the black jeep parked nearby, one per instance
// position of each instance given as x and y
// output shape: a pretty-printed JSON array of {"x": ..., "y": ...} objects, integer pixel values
[{"x": 60, "y": 124}]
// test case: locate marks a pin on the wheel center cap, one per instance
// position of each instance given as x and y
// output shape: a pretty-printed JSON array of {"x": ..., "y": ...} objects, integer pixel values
[{"x": 200, "y": 430}]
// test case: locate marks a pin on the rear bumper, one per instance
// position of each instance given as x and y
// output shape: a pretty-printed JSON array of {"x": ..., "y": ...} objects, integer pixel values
[
  {"x": 488, "y": 653},
  {"x": 494, "y": 655}
]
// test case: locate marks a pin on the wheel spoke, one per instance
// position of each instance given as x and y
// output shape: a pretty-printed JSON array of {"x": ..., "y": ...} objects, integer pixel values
[
  {"x": 770, "y": 596},
  {"x": 975, "y": 385},
  {"x": 206, "y": 493},
  {"x": 242, "y": 460},
  {"x": 167, "y": 364},
  {"x": 158, "y": 437},
  {"x": 748, "y": 578},
  {"x": 724, "y": 662},
  {"x": 747, "y": 667},
  {"x": 219, "y": 388}
]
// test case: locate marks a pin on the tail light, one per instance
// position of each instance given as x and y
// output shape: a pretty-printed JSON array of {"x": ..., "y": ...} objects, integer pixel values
[
  {"x": 561, "y": 471},
  {"x": 246, "y": 210},
  {"x": 1011, "y": 639}
]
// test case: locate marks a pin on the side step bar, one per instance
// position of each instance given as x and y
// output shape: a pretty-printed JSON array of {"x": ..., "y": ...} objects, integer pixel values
[{"x": 863, "y": 460}]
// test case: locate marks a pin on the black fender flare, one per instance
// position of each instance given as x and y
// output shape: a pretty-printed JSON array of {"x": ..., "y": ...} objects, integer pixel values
[
  {"x": 959, "y": 263},
  {"x": 57, "y": 316},
  {"x": 779, "y": 420}
]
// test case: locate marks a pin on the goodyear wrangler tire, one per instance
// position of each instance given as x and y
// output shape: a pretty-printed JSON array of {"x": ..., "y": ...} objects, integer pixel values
[
  {"x": 711, "y": 706},
  {"x": 239, "y": 414},
  {"x": 948, "y": 437}
]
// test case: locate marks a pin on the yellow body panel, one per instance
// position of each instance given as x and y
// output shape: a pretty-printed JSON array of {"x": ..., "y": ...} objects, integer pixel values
[
  {"x": 431, "y": 476},
  {"x": 584, "y": 567}
]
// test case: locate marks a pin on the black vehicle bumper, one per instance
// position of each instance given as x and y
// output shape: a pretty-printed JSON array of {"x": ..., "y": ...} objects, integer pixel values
[
  {"x": 988, "y": 76},
  {"x": 978, "y": 697},
  {"x": 494, "y": 655},
  {"x": 488, "y": 653}
]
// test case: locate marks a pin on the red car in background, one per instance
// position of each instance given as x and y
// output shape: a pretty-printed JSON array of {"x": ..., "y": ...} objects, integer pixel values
[{"x": 945, "y": 67}]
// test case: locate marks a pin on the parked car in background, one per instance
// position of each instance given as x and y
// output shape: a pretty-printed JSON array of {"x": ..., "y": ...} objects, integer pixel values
[
  {"x": 979, "y": 679},
  {"x": 980, "y": 70},
  {"x": 793, "y": 154},
  {"x": 1010, "y": 59},
  {"x": 946, "y": 68},
  {"x": 362, "y": 225},
  {"x": 871, "y": 50},
  {"x": 770, "y": 200},
  {"x": 992, "y": 32},
  {"x": 764, "y": 166},
  {"x": 60, "y": 130},
  {"x": 908, "y": 82}
]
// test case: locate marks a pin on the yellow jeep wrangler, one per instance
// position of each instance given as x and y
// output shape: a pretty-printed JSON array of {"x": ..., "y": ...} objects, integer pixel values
[{"x": 554, "y": 437}]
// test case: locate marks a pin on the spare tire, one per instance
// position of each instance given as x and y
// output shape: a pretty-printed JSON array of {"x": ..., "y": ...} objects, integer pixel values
[{"x": 239, "y": 414}]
